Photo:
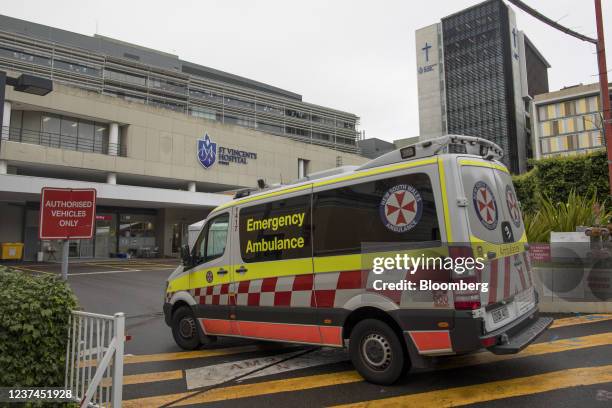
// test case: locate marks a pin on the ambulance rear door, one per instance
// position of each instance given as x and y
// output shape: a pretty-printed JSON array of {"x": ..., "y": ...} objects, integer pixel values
[{"x": 498, "y": 236}]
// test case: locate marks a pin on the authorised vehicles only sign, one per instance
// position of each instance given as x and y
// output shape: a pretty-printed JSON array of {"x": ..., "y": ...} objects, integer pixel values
[{"x": 67, "y": 213}]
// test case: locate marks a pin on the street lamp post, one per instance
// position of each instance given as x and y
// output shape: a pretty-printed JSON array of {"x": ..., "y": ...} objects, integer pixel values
[{"x": 24, "y": 83}]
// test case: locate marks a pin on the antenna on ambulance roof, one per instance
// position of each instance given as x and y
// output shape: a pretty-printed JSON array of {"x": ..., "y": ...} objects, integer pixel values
[{"x": 450, "y": 144}]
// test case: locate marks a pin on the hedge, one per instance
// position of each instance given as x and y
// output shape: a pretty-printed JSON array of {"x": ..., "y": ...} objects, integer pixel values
[
  {"x": 556, "y": 177},
  {"x": 34, "y": 312}
]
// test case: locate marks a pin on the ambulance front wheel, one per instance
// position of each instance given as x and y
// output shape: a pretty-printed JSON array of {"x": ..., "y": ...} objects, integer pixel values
[
  {"x": 184, "y": 329},
  {"x": 377, "y": 353}
]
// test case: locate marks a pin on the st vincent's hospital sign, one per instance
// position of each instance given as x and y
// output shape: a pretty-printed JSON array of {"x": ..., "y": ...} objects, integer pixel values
[{"x": 209, "y": 154}]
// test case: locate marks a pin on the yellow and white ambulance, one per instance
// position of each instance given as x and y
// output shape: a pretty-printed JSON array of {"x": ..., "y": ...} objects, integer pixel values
[{"x": 293, "y": 264}]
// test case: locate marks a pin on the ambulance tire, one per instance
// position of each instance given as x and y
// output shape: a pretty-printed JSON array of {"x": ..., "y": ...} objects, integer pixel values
[
  {"x": 377, "y": 353},
  {"x": 184, "y": 329}
]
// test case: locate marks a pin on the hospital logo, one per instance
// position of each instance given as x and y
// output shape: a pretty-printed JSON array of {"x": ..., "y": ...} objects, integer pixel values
[
  {"x": 401, "y": 208},
  {"x": 207, "y": 151},
  {"x": 485, "y": 205}
]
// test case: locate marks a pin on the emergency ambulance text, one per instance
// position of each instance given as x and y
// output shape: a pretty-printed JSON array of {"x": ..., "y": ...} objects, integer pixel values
[{"x": 274, "y": 223}]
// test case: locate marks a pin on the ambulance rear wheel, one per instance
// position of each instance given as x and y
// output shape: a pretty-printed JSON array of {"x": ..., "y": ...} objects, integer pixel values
[
  {"x": 376, "y": 352},
  {"x": 184, "y": 329}
]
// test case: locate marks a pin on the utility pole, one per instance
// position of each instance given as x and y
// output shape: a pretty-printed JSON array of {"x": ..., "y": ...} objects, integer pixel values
[
  {"x": 604, "y": 93},
  {"x": 603, "y": 88}
]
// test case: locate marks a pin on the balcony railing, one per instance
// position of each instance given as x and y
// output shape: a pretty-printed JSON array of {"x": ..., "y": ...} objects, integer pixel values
[{"x": 63, "y": 141}]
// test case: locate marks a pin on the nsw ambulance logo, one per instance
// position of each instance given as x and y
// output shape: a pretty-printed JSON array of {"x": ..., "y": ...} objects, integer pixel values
[
  {"x": 207, "y": 151},
  {"x": 485, "y": 205},
  {"x": 401, "y": 208},
  {"x": 513, "y": 208}
]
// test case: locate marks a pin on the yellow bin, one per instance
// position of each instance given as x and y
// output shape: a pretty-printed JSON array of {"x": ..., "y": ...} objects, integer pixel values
[{"x": 11, "y": 250}]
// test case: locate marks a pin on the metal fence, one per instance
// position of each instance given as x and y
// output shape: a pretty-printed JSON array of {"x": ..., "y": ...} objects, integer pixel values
[
  {"x": 63, "y": 141},
  {"x": 94, "y": 359}
]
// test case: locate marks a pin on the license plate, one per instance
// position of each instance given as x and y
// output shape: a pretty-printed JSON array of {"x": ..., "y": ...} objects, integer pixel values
[{"x": 500, "y": 314}]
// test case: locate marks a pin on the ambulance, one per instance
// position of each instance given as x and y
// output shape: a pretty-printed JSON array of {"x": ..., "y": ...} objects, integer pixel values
[{"x": 292, "y": 263}]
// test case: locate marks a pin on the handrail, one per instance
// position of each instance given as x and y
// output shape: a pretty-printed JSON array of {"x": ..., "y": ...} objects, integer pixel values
[{"x": 63, "y": 141}]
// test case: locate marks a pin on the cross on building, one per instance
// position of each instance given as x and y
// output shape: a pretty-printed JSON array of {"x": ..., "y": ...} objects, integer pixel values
[{"x": 426, "y": 49}]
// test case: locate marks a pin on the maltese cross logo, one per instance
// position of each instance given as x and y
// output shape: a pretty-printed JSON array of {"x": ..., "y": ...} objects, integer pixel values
[
  {"x": 513, "y": 208},
  {"x": 485, "y": 205},
  {"x": 401, "y": 208}
]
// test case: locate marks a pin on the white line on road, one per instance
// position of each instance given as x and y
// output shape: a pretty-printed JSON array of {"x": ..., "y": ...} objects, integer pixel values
[
  {"x": 104, "y": 272},
  {"x": 316, "y": 358},
  {"x": 220, "y": 373}
]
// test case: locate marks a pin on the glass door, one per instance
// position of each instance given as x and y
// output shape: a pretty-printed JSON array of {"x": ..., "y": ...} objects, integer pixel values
[{"x": 106, "y": 235}]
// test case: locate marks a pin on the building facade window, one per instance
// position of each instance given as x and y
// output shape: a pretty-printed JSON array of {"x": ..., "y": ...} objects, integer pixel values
[
  {"x": 270, "y": 109},
  {"x": 239, "y": 103},
  {"x": 269, "y": 127},
  {"x": 239, "y": 120},
  {"x": 48, "y": 129},
  {"x": 294, "y": 113},
  {"x": 303, "y": 168},
  {"x": 290, "y": 130},
  {"x": 125, "y": 77},
  {"x": 148, "y": 85},
  {"x": 76, "y": 68},
  {"x": 205, "y": 113}
]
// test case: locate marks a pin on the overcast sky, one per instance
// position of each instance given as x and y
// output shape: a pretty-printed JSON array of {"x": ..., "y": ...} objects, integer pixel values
[{"x": 353, "y": 55}]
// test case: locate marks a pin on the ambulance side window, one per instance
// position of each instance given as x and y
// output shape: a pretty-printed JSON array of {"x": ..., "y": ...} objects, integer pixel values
[
  {"x": 212, "y": 240},
  {"x": 216, "y": 238},
  {"x": 276, "y": 230},
  {"x": 391, "y": 210}
]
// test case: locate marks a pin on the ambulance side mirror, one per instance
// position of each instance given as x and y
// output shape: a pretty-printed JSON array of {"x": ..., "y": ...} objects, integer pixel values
[{"x": 186, "y": 255}]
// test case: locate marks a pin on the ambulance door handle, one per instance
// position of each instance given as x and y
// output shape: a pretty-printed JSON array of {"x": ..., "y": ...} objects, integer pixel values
[
  {"x": 242, "y": 269},
  {"x": 221, "y": 271}
]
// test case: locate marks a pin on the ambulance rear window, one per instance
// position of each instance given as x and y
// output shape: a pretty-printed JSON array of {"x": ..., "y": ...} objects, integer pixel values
[{"x": 493, "y": 209}]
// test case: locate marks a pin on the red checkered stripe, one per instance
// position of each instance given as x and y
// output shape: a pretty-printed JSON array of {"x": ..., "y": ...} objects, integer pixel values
[
  {"x": 507, "y": 279},
  {"x": 333, "y": 289},
  {"x": 321, "y": 290},
  {"x": 212, "y": 295}
]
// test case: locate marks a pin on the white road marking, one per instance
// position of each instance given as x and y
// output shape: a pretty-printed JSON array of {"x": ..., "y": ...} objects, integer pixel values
[
  {"x": 316, "y": 358},
  {"x": 104, "y": 272},
  {"x": 220, "y": 373}
]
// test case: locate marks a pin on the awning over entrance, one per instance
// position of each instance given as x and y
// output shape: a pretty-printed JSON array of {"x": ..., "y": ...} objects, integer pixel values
[{"x": 16, "y": 188}]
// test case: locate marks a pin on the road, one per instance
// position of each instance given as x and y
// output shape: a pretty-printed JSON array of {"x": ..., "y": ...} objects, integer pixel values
[{"x": 570, "y": 365}]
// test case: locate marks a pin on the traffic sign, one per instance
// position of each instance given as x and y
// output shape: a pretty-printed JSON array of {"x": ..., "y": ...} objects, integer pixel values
[{"x": 67, "y": 213}]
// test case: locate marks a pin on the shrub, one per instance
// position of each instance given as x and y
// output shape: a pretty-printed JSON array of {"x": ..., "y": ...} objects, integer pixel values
[
  {"x": 564, "y": 216},
  {"x": 34, "y": 312},
  {"x": 556, "y": 177},
  {"x": 585, "y": 174},
  {"x": 526, "y": 190}
]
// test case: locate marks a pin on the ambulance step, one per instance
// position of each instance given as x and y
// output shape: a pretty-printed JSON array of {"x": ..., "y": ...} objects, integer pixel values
[{"x": 523, "y": 338}]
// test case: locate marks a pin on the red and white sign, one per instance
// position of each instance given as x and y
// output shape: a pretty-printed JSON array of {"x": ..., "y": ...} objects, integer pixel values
[
  {"x": 540, "y": 252},
  {"x": 67, "y": 213}
]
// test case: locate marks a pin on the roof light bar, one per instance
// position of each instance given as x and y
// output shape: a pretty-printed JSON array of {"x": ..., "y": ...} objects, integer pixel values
[{"x": 451, "y": 144}]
